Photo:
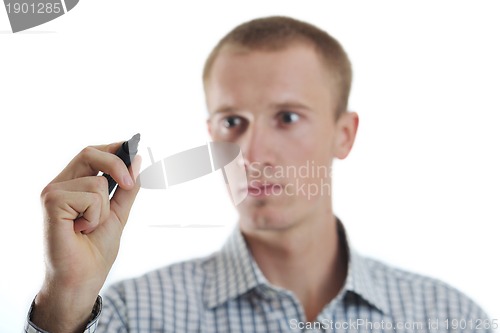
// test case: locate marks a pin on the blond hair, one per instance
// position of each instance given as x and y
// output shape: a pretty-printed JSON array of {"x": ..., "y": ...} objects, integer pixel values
[{"x": 278, "y": 32}]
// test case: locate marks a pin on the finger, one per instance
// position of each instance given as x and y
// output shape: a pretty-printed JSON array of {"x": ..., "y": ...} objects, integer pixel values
[
  {"x": 122, "y": 200},
  {"x": 67, "y": 210},
  {"x": 93, "y": 184},
  {"x": 93, "y": 159},
  {"x": 79, "y": 165}
]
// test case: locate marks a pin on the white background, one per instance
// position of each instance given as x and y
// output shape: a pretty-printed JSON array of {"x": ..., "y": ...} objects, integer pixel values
[{"x": 421, "y": 189}]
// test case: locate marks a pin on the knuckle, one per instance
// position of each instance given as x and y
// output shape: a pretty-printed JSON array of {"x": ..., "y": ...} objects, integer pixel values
[
  {"x": 46, "y": 190},
  {"x": 51, "y": 197},
  {"x": 100, "y": 184},
  {"x": 96, "y": 204},
  {"x": 86, "y": 152},
  {"x": 96, "y": 198}
]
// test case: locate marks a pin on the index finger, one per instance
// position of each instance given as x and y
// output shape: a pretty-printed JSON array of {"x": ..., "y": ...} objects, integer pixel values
[{"x": 93, "y": 159}]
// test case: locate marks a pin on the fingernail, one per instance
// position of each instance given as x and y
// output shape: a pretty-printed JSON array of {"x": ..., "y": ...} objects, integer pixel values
[{"x": 127, "y": 180}]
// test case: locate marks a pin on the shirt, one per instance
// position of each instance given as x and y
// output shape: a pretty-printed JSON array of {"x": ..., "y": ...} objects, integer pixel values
[{"x": 227, "y": 292}]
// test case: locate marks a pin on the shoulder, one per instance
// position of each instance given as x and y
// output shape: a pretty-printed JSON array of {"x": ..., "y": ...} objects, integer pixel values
[
  {"x": 388, "y": 274},
  {"x": 175, "y": 292},
  {"x": 186, "y": 275},
  {"x": 143, "y": 302},
  {"x": 409, "y": 293}
]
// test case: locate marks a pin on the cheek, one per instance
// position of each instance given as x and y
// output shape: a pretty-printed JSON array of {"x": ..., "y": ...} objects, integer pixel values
[
  {"x": 310, "y": 157},
  {"x": 296, "y": 151},
  {"x": 307, "y": 145}
]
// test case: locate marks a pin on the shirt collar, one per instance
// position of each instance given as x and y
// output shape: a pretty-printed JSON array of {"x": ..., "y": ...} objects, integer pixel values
[
  {"x": 361, "y": 279},
  {"x": 232, "y": 272}
]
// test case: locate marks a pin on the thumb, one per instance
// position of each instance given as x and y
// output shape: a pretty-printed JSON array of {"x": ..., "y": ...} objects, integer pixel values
[{"x": 122, "y": 200}]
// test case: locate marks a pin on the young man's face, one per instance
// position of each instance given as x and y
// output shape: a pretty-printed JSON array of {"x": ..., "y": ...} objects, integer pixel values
[{"x": 278, "y": 106}]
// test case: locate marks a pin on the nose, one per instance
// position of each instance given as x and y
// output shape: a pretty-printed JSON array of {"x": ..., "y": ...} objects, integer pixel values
[{"x": 257, "y": 148}]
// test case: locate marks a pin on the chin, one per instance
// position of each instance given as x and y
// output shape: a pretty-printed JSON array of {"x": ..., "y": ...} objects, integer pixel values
[{"x": 262, "y": 215}]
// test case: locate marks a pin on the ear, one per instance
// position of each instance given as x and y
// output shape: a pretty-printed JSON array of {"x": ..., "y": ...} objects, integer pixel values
[{"x": 346, "y": 128}]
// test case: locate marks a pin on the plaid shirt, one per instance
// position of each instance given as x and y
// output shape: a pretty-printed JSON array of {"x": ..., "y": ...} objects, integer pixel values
[{"x": 227, "y": 292}]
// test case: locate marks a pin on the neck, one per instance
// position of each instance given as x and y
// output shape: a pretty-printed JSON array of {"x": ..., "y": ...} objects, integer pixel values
[{"x": 307, "y": 259}]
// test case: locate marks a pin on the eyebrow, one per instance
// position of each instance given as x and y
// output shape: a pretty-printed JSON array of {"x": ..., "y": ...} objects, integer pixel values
[
  {"x": 281, "y": 105},
  {"x": 220, "y": 110},
  {"x": 224, "y": 109},
  {"x": 291, "y": 105}
]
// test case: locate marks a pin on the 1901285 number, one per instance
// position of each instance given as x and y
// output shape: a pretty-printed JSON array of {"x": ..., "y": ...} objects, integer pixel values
[
  {"x": 478, "y": 324},
  {"x": 39, "y": 8}
]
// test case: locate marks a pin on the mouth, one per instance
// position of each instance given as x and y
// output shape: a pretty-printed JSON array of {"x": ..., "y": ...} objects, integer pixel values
[{"x": 264, "y": 190}]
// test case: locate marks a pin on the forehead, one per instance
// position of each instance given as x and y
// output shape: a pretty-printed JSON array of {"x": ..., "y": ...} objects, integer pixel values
[
  {"x": 297, "y": 68},
  {"x": 296, "y": 55}
]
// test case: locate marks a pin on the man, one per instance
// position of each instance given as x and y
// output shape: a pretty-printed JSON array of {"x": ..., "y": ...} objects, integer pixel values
[{"x": 278, "y": 88}]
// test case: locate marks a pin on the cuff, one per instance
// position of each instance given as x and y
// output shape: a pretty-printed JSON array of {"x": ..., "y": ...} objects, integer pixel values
[{"x": 29, "y": 327}]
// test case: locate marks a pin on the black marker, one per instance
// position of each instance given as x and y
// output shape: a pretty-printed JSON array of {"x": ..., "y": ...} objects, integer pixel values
[{"x": 126, "y": 153}]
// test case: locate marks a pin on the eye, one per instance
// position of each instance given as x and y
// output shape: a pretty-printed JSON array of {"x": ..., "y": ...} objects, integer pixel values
[
  {"x": 230, "y": 122},
  {"x": 288, "y": 117}
]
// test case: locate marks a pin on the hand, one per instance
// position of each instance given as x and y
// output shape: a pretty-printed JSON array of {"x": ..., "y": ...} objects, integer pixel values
[{"x": 82, "y": 235}]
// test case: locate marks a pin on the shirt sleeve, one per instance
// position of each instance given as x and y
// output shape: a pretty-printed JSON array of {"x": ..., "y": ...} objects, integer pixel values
[
  {"x": 29, "y": 327},
  {"x": 469, "y": 317},
  {"x": 115, "y": 313}
]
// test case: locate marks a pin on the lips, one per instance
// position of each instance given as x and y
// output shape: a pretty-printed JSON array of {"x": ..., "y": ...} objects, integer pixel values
[{"x": 258, "y": 189}]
